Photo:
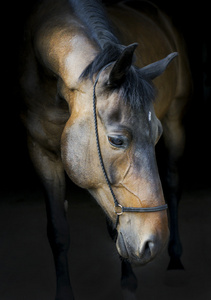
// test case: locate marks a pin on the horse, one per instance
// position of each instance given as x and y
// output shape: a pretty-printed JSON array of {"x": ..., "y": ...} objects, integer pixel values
[{"x": 101, "y": 84}]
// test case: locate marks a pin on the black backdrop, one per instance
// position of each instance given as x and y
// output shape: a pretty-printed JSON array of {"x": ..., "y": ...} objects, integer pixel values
[{"x": 191, "y": 18}]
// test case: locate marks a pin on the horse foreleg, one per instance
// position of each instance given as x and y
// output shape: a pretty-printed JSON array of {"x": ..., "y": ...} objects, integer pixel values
[
  {"x": 51, "y": 172},
  {"x": 173, "y": 198},
  {"x": 174, "y": 141},
  {"x": 129, "y": 281}
]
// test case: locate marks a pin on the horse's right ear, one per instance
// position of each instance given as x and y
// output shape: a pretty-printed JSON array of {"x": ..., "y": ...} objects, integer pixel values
[{"x": 155, "y": 69}]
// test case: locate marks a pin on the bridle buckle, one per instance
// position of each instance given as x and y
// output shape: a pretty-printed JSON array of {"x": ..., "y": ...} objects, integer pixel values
[{"x": 118, "y": 210}]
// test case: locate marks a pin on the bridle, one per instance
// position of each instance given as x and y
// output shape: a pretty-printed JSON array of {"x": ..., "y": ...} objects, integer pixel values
[{"x": 118, "y": 208}]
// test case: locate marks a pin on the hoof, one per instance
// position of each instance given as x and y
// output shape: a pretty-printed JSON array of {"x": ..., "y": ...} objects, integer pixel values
[
  {"x": 64, "y": 293},
  {"x": 128, "y": 295},
  {"x": 175, "y": 264},
  {"x": 176, "y": 278}
]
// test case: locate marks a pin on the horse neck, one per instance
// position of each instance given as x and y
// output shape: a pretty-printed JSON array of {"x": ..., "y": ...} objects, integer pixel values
[{"x": 66, "y": 51}]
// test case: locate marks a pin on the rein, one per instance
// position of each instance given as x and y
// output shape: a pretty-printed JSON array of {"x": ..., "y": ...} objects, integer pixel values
[{"x": 118, "y": 208}]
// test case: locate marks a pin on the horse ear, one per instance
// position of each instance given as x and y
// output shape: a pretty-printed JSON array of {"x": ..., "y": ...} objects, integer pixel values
[
  {"x": 155, "y": 69},
  {"x": 122, "y": 65}
]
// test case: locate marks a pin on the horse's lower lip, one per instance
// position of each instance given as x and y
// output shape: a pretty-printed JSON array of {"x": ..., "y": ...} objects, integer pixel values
[{"x": 138, "y": 261}]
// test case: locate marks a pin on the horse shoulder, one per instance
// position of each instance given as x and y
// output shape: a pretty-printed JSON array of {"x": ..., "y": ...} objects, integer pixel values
[
  {"x": 53, "y": 62},
  {"x": 45, "y": 113}
]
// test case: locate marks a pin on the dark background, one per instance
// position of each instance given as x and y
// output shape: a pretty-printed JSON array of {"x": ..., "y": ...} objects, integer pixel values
[
  {"x": 191, "y": 19},
  {"x": 26, "y": 263}
]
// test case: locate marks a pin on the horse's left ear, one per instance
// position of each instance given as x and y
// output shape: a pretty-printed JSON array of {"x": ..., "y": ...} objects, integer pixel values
[
  {"x": 122, "y": 65},
  {"x": 155, "y": 69}
]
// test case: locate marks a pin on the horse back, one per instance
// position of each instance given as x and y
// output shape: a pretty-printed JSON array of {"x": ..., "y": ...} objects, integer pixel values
[{"x": 145, "y": 23}]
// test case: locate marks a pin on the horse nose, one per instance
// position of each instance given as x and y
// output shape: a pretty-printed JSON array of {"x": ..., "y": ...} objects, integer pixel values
[{"x": 138, "y": 253}]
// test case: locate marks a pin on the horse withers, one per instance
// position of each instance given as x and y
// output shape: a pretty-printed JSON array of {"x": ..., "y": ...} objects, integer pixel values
[{"x": 73, "y": 55}]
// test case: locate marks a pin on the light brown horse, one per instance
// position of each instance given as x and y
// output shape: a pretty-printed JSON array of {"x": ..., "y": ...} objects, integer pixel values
[{"x": 68, "y": 45}]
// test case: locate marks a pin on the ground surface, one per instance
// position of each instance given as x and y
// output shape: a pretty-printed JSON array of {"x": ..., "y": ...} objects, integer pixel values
[{"x": 26, "y": 265}]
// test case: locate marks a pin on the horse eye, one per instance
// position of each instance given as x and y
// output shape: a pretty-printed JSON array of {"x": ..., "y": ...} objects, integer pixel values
[{"x": 116, "y": 141}]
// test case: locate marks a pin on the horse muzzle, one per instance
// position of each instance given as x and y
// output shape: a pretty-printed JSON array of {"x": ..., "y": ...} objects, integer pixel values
[{"x": 138, "y": 247}]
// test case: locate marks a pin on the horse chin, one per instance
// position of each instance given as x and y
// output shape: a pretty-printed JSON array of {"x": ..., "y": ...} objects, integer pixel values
[{"x": 136, "y": 260}]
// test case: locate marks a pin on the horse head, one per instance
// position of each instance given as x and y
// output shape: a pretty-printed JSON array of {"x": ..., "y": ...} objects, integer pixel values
[{"x": 128, "y": 131}]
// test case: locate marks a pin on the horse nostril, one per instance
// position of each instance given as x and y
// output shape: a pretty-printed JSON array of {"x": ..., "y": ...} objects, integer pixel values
[
  {"x": 148, "y": 250},
  {"x": 121, "y": 246},
  {"x": 151, "y": 248}
]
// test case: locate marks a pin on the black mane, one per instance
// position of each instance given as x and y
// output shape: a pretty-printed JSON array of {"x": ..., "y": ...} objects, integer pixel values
[
  {"x": 135, "y": 89},
  {"x": 93, "y": 16}
]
